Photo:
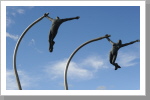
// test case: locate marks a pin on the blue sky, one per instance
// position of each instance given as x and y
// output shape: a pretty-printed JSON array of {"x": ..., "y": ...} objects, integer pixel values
[{"x": 90, "y": 68}]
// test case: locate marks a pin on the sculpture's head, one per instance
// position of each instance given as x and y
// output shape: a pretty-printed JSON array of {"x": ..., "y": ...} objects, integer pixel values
[
  {"x": 119, "y": 42},
  {"x": 57, "y": 17}
]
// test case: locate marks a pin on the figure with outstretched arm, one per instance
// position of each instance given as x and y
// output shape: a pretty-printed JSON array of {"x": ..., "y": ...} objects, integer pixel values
[
  {"x": 54, "y": 28},
  {"x": 114, "y": 51}
]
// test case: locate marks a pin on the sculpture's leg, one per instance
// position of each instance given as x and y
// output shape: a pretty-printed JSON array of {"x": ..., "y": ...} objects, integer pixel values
[
  {"x": 118, "y": 65},
  {"x": 112, "y": 59},
  {"x": 51, "y": 46},
  {"x": 113, "y": 62},
  {"x": 51, "y": 42}
]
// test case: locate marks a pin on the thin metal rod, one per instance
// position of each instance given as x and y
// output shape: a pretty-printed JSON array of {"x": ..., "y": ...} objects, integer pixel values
[
  {"x": 16, "y": 49},
  {"x": 65, "y": 72}
]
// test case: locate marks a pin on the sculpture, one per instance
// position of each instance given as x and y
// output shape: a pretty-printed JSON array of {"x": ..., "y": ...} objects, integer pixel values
[
  {"x": 17, "y": 46},
  {"x": 53, "y": 31},
  {"x": 54, "y": 28},
  {"x": 114, "y": 51}
]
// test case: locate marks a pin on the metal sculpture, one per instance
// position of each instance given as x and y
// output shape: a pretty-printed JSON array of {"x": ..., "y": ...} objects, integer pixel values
[
  {"x": 66, "y": 69},
  {"x": 16, "y": 49},
  {"x": 114, "y": 51},
  {"x": 54, "y": 29}
]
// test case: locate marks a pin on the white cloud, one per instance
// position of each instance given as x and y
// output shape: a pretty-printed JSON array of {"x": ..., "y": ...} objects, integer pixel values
[
  {"x": 56, "y": 70},
  {"x": 77, "y": 70},
  {"x": 9, "y": 21},
  {"x": 14, "y": 37},
  {"x": 13, "y": 11},
  {"x": 11, "y": 83},
  {"x": 20, "y": 11},
  {"x": 126, "y": 59},
  {"x": 94, "y": 61},
  {"x": 26, "y": 80},
  {"x": 32, "y": 43},
  {"x": 87, "y": 68}
]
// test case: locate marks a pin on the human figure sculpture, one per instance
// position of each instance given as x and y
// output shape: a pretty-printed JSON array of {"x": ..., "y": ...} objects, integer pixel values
[
  {"x": 54, "y": 28},
  {"x": 114, "y": 51}
]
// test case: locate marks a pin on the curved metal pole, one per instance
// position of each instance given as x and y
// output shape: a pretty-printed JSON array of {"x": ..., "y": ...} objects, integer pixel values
[
  {"x": 65, "y": 72},
  {"x": 16, "y": 49}
]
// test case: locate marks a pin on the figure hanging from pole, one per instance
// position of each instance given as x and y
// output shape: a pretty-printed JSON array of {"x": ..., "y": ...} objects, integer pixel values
[
  {"x": 54, "y": 28},
  {"x": 114, "y": 51}
]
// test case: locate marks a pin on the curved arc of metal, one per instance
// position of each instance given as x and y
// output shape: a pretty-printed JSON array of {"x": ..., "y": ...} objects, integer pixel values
[
  {"x": 66, "y": 69},
  {"x": 16, "y": 49}
]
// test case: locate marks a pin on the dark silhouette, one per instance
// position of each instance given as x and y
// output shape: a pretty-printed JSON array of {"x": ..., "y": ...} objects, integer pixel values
[
  {"x": 114, "y": 51},
  {"x": 54, "y": 28}
]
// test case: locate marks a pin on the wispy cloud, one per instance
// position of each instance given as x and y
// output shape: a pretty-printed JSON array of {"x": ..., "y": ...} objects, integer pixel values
[
  {"x": 10, "y": 81},
  {"x": 80, "y": 70},
  {"x": 87, "y": 68},
  {"x": 26, "y": 80},
  {"x": 56, "y": 70},
  {"x": 20, "y": 11},
  {"x": 32, "y": 44},
  {"x": 9, "y": 21},
  {"x": 95, "y": 61},
  {"x": 77, "y": 70},
  {"x": 14, "y": 37},
  {"x": 14, "y": 11},
  {"x": 126, "y": 59}
]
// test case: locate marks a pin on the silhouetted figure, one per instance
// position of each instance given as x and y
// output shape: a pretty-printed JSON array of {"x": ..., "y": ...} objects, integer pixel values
[
  {"x": 114, "y": 51},
  {"x": 54, "y": 28}
]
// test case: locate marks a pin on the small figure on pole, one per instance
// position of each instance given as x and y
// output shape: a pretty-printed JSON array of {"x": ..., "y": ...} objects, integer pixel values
[
  {"x": 114, "y": 51},
  {"x": 54, "y": 28}
]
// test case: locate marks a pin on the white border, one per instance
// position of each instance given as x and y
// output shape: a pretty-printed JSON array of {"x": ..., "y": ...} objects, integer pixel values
[{"x": 73, "y": 3}]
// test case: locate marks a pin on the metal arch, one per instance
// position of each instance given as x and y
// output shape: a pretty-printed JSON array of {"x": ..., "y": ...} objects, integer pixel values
[
  {"x": 66, "y": 69},
  {"x": 16, "y": 49}
]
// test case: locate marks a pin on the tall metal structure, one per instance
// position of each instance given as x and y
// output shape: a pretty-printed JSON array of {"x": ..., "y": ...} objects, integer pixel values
[
  {"x": 66, "y": 69},
  {"x": 16, "y": 49}
]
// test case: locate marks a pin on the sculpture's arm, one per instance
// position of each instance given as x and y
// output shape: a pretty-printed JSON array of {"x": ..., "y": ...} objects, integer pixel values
[
  {"x": 110, "y": 40},
  {"x": 51, "y": 19},
  {"x": 67, "y": 19},
  {"x": 126, "y": 44}
]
